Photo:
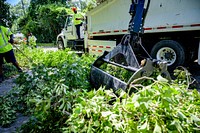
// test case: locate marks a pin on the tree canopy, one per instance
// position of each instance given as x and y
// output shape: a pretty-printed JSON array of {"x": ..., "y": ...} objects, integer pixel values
[
  {"x": 44, "y": 18},
  {"x": 4, "y": 14}
]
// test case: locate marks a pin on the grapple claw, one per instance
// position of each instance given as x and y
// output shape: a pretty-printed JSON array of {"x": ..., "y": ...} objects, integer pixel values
[{"x": 123, "y": 56}]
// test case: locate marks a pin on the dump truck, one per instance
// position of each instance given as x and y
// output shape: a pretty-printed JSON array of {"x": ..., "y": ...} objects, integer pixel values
[{"x": 171, "y": 29}]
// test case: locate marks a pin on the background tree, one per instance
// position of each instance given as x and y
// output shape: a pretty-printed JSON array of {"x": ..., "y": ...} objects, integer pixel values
[
  {"x": 45, "y": 21},
  {"x": 18, "y": 11},
  {"x": 5, "y": 13},
  {"x": 90, "y": 5},
  {"x": 46, "y": 18},
  {"x": 22, "y": 2}
]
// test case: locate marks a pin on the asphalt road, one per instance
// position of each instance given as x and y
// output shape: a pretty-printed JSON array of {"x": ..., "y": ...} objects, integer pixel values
[{"x": 50, "y": 48}]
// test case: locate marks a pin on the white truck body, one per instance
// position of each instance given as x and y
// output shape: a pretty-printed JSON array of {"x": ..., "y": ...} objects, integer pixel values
[
  {"x": 112, "y": 17},
  {"x": 170, "y": 25},
  {"x": 173, "y": 20}
]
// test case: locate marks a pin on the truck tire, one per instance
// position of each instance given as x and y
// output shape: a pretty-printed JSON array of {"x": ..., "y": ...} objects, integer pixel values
[
  {"x": 60, "y": 44},
  {"x": 170, "y": 51}
]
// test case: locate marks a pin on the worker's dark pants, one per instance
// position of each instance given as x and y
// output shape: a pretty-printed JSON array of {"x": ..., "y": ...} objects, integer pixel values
[
  {"x": 9, "y": 57},
  {"x": 78, "y": 30}
]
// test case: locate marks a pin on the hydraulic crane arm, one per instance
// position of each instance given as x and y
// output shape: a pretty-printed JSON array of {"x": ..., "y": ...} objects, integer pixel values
[{"x": 136, "y": 11}]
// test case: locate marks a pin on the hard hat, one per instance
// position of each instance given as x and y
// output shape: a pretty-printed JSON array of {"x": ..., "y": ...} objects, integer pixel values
[{"x": 74, "y": 9}]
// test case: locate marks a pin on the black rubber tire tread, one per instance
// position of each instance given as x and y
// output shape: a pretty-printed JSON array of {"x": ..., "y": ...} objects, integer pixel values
[
  {"x": 180, "y": 53},
  {"x": 62, "y": 44}
]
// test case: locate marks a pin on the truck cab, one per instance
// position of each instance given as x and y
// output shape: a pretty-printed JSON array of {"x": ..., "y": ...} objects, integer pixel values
[{"x": 68, "y": 37}]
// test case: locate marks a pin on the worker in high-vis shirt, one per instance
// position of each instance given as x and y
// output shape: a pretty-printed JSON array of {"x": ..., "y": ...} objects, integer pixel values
[
  {"x": 78, "y": 21},
  {"x": 6, "y": 50},
  {"x": 32, "y": 40}
]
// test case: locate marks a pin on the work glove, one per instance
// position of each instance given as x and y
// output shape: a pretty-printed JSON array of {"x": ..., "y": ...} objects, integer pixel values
[{"x": 11, "y": 39}]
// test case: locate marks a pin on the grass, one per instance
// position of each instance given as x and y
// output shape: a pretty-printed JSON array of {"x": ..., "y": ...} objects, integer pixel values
[{"x": 46, "y": 44}]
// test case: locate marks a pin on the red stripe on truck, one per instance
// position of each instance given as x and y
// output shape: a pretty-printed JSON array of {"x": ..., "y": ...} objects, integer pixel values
[
  {"x": 177, "y": 26},
  {"x": 100, "y": 46},
  {"x": 116, "y": 30},
  {"x": 162, "y": 27},
  {"x": 108, "y": 47},
  {"x": 124, "y": 30},
  {"x": 148, "y": 28},
  {"x": 193, "y": 25}
]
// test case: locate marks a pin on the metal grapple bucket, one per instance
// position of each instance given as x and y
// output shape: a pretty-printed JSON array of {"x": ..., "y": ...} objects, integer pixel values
[{"x": 124, "y": 57}]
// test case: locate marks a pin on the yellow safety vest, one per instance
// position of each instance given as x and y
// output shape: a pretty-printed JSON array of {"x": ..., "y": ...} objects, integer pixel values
[
  {"x": 77, "y": 15},
  {"x": 32, "y": 40},
  {"x": 5, "y": 33}
]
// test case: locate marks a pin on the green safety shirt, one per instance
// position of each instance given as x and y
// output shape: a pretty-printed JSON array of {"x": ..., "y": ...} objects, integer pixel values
[
  {"x": 32, "y": 40},
  {"x": 5, "y": 33},
  {"x": 77, "y": 15}
]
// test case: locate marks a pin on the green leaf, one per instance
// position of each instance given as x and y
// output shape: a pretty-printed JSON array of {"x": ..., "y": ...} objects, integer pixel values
[
  {"x": 135, "y": 97},
  {"x": 161, "y": 79},
  {"x": 62, "y": 105},
  {"x": 195, "y": 118},
  {"x": 144, "y": 126},
  {"x": 181, "y": 115},
  {"x": 144, "y": 106},
  {"x": 157, "y": 128},
  {"x": 107, "y": 113},
  {"x": 77, "y": 110},
  {"x": 96, "y": 123},
  {"x": 176, "y": 123}
]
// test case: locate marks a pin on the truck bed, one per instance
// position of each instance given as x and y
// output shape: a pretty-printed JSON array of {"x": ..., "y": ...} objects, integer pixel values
[{"x": 112, "y": 17}]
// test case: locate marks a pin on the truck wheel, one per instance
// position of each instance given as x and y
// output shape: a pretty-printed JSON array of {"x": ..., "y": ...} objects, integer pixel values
[
  {"x": 170, "y": 51},
  {"x": 60, "y": 44}
]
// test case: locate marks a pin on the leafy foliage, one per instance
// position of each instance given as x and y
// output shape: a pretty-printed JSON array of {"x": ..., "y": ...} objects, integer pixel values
[
  {"x": 51, "y": 73},
  {"x": 5, "y": 13},
  {"x": 158, "y": 107},
  {"x": 58, "y": 96},
  {"x": 19, "y": 9},
  {"x": 41, "y": 19},
  {"x": 46, "y": 18}
]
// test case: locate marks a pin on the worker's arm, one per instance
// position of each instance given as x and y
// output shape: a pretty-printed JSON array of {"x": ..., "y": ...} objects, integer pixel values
[
  {"x": 11, "y": 39},
  {"x": 80, "y": 17},
  {"x": 9, "y": 34}
]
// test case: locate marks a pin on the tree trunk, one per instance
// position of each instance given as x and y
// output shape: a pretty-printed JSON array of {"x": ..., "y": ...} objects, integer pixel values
[{"x": 23, "y": 6}]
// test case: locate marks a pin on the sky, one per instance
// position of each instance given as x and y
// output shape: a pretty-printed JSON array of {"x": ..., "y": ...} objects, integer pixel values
[{"x": 12, "y": 2}]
